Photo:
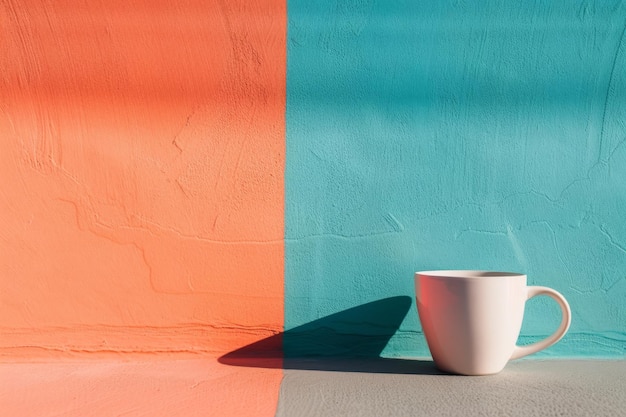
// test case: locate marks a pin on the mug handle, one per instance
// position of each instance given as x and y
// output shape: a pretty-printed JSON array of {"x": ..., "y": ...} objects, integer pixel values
[{"x": 566, "y": 319}]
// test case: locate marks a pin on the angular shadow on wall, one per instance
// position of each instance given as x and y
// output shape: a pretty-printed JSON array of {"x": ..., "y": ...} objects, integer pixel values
[{"x": 349, "y": 341}]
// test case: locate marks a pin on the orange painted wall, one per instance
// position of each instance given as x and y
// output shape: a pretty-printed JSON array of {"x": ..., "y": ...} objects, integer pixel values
[{"x": 141, "y": 175}]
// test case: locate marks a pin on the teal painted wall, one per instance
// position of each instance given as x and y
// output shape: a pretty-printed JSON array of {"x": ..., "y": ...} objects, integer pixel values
[{"x": 451, "y": 134}]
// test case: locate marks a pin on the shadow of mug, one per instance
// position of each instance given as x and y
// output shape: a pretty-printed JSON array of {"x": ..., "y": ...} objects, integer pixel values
[{"x": 351, "y": 340}]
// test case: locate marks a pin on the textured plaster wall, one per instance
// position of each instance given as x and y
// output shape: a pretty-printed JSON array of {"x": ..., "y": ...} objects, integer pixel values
[
  {"x": 141, "y": 175},
  {"x": 447, "y": 134},
  {"x": 148, "y": 203}
]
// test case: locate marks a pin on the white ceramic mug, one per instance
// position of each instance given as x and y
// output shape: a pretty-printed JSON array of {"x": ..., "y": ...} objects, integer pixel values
[{"x": 472, "y": 319}]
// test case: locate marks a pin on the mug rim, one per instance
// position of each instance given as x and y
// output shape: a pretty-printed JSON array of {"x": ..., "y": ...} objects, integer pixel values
[{"x": 468, "y": 274}]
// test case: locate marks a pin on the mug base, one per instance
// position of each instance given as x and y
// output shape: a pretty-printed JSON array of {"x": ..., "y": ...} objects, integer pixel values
[{"x": 465, "y": 372}]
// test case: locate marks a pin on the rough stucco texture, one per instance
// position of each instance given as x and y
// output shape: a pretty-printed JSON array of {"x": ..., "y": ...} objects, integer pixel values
[
  {"x": 445, "y": 134},
  {"x": 142, "y": 206},
  {"x": 141, "y": 175}
]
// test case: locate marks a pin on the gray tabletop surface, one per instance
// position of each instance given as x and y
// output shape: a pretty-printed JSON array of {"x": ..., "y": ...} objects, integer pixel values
[{"x": 396, "y": 387}]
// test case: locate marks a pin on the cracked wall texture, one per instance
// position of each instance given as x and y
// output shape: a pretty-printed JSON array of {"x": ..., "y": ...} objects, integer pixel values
[{"x": 443, "y": 135}]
